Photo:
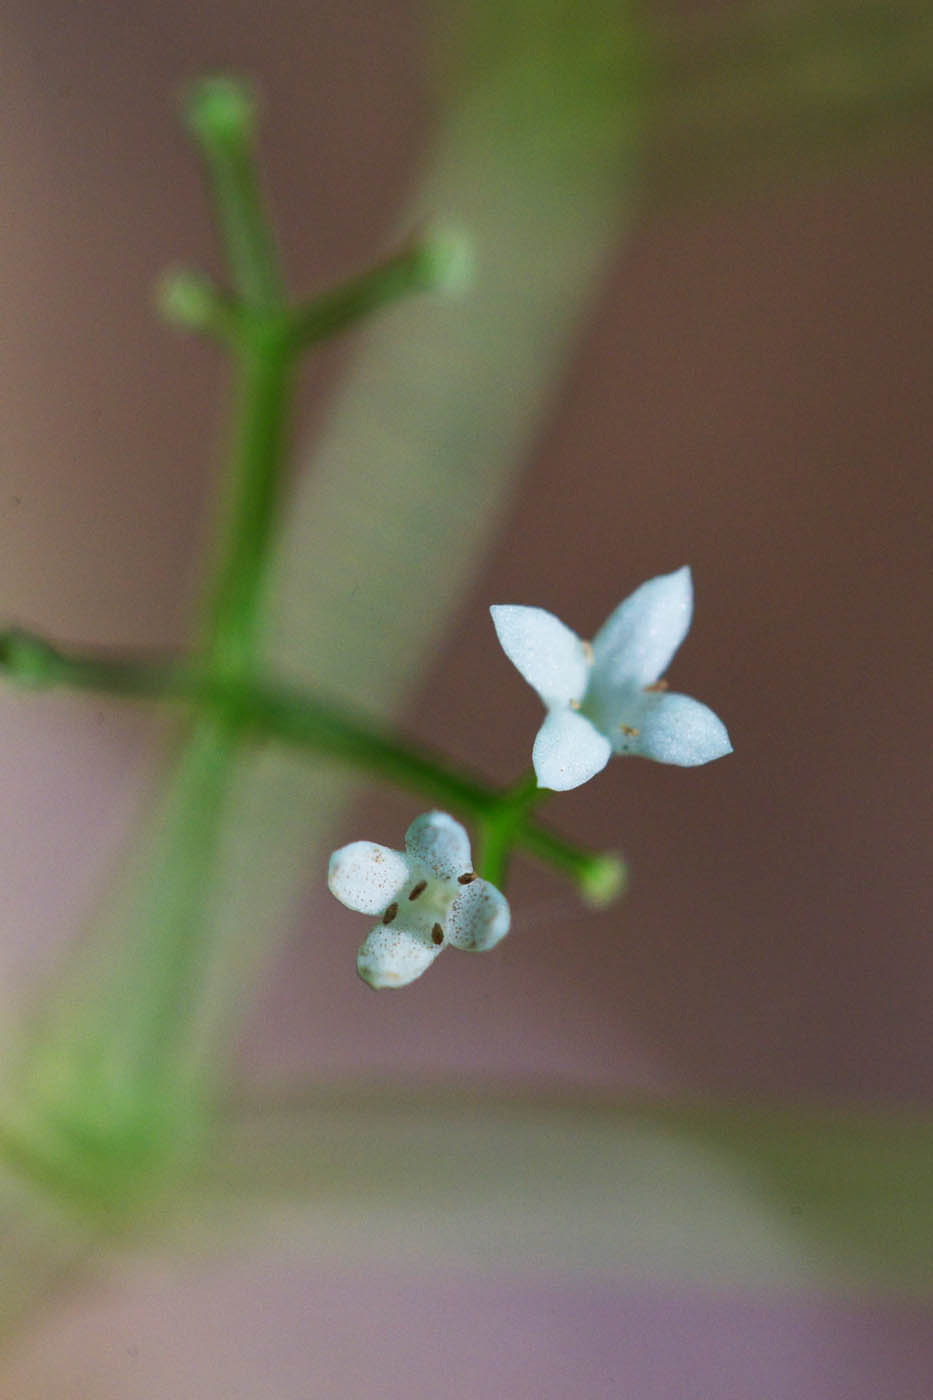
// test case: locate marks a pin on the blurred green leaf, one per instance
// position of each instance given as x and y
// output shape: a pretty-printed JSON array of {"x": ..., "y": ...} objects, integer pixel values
[
  {"x": 752, "y": 93},
  {"x": 719, "y": 1195}
]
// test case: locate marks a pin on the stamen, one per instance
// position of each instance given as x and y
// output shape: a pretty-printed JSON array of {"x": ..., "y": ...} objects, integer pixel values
[
  {"x": 588, "y": 651},
  {"x": 437, "y": 935},
  {"x": 574, "y": 704},
  {"x": 390, "y": 913},
  {"x": 656, "y": 686},
  {"x": 467, "y": 878},
  {"x": 420, "y": 888},
  {"x": 629, "y": 731}
]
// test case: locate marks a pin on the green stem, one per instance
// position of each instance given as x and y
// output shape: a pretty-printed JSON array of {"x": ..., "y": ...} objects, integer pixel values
[
  {"x": 221, "y": 116},
  {"x": 174, "y": 923},
  {"x": 437, "y": 262},
  {"x": 114, "y": 1079},
  {"x": 174, "y": 913},
  {"x": 307, "y": 722},
  {"x": 263, "y": 385},
  {"x": 500, "y": 828}
]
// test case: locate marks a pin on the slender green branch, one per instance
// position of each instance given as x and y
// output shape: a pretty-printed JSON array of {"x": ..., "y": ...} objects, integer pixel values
[
  {"x": 305, "y": 721},
  {"x": 112, "y": 1081},
  {"x": 438, "y": 262},
  {"x": 499, "y": 827},
  {"x": 220, "y": 113},
  {"x": 264, "y": 381}
]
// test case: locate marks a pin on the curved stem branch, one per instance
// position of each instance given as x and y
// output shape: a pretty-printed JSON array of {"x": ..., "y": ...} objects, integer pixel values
[{"x": 305, "y": 721}]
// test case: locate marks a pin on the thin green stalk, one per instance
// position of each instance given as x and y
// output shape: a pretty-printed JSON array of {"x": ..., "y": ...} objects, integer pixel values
[
  {"x": 262, "y": 393},
  {"x": 221, "y": 116},
  {"x": 174, "y": 913},
  {"x": 500, "y": 827},
  {"x": 116, "y": 1072},
  {"x": 307, "y": 722},
  {"x": 175, "y": 920},
  {"x": 436, "y": 262}
]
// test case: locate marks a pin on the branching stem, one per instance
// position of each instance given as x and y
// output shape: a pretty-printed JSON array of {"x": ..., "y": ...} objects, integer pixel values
[{"x": 305, "y": 721}]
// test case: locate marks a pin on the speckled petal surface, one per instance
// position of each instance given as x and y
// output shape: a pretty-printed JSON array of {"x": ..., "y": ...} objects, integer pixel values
[
  {"x": 366, "y": 877},
  {"x": 548, "y": 654},
  {"x": 478, "y": 918},
  {"x": 440, "y": 843},
  {"x": 395, "y": 955}
]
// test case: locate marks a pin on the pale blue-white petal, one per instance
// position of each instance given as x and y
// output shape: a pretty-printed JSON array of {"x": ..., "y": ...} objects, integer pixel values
[
  {"x": 478, "y": 917},
  {"x": 440, "y": 843},
  {"x": 636, "y": 642},
  {"x": 367, "y": 877},
  {"x": 568, "y": 751},
  {"x": 548, "y": 654},
  {"x": 394, "y": 955},
  {"x": 672, "y": 729}
]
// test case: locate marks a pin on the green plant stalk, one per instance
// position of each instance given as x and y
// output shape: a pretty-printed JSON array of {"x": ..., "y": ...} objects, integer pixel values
[
  {"x": 221, "y": 116},
  {"x": 441, "y": 260},
  {"x": 500, "y": 826},
  {"x": 117, "y": 1076},
  {"x": 114, "y": 1079},
  {"x": 307, "y": 722},
  {"x": 264, "y": 374}
]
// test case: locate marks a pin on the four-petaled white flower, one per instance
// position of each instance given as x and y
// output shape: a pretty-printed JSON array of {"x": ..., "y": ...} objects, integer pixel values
[
  {"x": 607, "y": 696},
  {"x": 427, "y": 896}
]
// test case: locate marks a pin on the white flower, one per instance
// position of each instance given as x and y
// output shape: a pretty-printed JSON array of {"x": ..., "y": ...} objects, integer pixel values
[
  {"x": 608, "y": 697},
  {"x": 427, "y": 896}
]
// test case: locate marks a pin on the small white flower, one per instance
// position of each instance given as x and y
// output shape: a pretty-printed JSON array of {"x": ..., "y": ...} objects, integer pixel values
[
  {"x": 427, "y": 896},
  {"x": 608, "y": 697}
]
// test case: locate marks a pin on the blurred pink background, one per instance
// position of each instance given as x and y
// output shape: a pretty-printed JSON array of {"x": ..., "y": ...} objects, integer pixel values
[{"x": 751, "y": 397}]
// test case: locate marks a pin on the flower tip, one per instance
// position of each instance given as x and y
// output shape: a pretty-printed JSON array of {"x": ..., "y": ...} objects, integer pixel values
[
  {"x": 379, "y": 979},
  {"x": 711, "y": 740},
  {"x": 681, "y": 580}
]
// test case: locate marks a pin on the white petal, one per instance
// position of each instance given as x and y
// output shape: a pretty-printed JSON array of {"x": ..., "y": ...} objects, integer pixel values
[
  {"x": 478, "y": 917},
  {"x": 548, "y": 654},
  {"x": 395, "y": 956},
  {"x": 568, "y": 751},
  {"x": 440, "y": 843},
  {"x": 367, "y": 877},
  {"x": 675, "y": 729},
  {"x": 636, "y": 642}
]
